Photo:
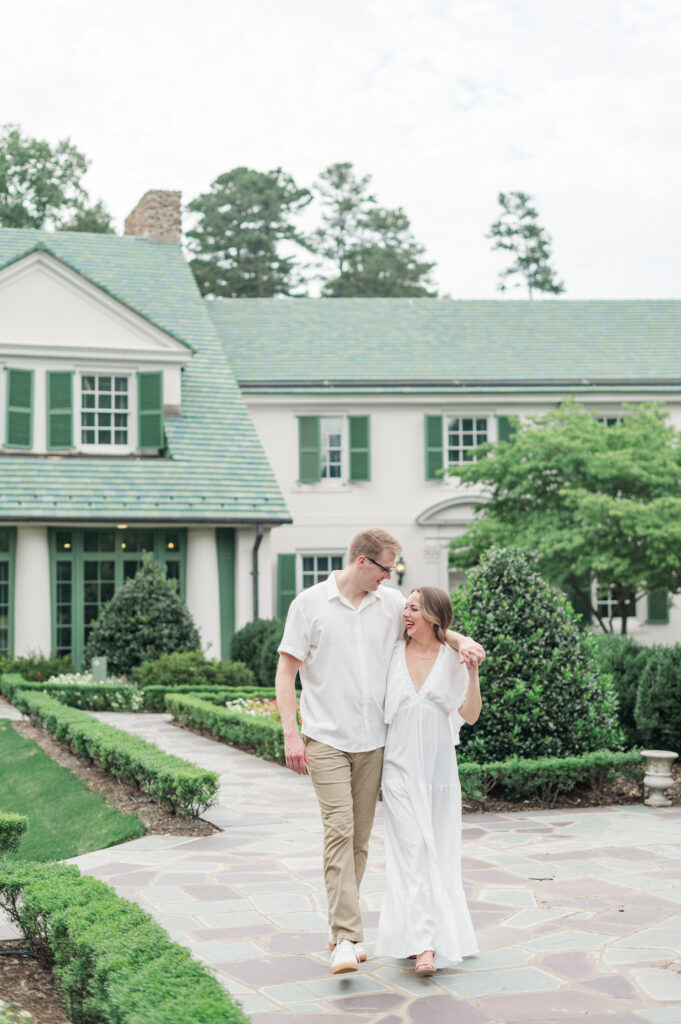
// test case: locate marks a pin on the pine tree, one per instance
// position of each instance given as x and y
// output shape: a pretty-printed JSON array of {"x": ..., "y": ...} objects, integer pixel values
[{"x": 518, "y": 232}]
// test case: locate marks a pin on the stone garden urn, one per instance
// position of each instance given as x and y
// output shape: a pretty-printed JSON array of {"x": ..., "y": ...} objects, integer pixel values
[{"x": 658, "y": 776}]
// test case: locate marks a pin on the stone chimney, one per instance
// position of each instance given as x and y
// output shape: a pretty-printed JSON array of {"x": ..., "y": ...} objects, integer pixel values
[{"x": 157, "y": 216}]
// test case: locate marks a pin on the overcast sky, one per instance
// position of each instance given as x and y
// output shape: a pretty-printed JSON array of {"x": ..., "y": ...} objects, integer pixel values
[{"x": 444, "y": 103}]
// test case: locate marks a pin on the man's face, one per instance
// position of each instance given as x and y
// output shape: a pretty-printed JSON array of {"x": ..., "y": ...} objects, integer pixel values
[{"x": 372, "y": 574}]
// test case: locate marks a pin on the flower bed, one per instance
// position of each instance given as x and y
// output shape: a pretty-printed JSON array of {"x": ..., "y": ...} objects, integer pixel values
[{"x": 78, "y": 691}]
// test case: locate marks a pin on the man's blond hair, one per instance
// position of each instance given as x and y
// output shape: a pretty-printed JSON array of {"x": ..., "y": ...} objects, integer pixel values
[{"x": 371, "y": 543}]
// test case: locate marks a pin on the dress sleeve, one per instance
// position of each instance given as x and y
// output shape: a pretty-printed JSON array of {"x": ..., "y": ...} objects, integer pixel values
[{"x": 296, "y": 638}]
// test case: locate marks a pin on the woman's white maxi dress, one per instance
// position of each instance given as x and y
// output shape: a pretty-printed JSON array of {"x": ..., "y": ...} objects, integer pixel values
[{"x": 424, "y": 906}]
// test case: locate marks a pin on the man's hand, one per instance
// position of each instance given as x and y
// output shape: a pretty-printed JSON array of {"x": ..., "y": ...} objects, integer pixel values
[
  {"x": 296, "y": 754},
  {"x": 471, "y": 652}
]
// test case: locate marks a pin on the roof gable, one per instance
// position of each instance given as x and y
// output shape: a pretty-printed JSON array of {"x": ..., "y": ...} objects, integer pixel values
[{"x": 46, "y": 305}]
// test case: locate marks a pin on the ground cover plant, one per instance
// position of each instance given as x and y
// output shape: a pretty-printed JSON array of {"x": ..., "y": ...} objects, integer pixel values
[
  {"x": 543, "y": 693},
  {"x": 183, "y": 786},
  {"x": 114, "y": 963},
  {"x": 76, "y": 822}
]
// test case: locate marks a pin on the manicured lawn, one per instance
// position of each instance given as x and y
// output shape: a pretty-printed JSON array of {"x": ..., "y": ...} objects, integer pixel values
[{"x": 65, "y": 818}]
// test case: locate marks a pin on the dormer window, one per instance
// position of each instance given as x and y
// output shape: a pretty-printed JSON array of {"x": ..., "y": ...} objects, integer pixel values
[{"x": 104, "y": 410}]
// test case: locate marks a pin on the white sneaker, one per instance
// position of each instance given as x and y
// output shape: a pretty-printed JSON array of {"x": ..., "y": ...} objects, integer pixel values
[
  {"x": 359, "y": 948},
  {"x": 344, "y": 958}
]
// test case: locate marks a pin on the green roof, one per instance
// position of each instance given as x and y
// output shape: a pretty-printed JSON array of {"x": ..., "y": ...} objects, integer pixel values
[
  {"x": 215, "y": 469},
  {"x": 445, "y": 344}
]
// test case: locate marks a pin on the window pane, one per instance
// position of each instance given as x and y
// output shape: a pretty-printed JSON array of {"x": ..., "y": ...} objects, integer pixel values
[
  {"x": 97, "y": 401},
  {"x": 463, "y": 437}
]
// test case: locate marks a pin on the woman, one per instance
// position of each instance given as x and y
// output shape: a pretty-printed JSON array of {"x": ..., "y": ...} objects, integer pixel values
[{"x": 429, "y": 695}]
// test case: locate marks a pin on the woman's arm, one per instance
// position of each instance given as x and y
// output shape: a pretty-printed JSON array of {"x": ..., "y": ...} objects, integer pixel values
[{"x": 472, "y": 702}]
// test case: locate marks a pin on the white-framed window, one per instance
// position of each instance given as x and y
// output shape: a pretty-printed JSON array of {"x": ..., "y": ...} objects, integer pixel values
[
  {"x": 315, "y": 568},
  {"x": 463, "y": 435},
  {"x": 332, "y": 443},
  {"x": 610, "y": 420},
  {"x": 606, "y": 601},
  {"x": 104, "y": 420}
]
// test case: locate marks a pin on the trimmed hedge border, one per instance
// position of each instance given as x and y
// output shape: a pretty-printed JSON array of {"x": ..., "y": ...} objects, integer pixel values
[
  {"x": 265, "y": 737},
  {"x": 154, "y": 696},
  {"x": 87, "y": 697},
  {"x": 12, "y": 828},
  {"x": 543, "y": 778},
  {"x": 178, "y": 783},
  {"x": 125, "y": 697},
  {"x": 111, "y": 959}
]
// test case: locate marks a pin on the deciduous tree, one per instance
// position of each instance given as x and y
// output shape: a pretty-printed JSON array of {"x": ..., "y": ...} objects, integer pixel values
[
  {"x": 586, "y": 502},
  {"x": 41, "y": 185}
]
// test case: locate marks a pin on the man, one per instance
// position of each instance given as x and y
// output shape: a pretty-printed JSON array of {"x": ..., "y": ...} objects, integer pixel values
[{"x": 339, "y": 636}]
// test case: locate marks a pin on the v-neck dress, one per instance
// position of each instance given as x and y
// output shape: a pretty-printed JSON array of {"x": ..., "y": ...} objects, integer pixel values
[{"x": 424, "y": 906}]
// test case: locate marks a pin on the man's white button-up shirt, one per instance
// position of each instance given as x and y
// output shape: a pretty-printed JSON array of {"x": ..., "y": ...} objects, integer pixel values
[{"x": 345, "y": 653}]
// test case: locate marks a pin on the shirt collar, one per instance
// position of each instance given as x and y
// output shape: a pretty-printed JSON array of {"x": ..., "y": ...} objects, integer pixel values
[{"x": 332, "y": 592}]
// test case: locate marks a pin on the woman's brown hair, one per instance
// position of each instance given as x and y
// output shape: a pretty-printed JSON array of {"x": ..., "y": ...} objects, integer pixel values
[{"x": 436, "y": 608}]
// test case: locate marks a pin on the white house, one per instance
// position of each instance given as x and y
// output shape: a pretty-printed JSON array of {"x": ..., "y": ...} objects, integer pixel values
[{"x": 360, "y": 402}]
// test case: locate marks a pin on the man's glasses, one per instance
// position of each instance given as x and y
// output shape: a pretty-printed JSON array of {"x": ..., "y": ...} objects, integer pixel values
[{"x": 386, "y": 572}]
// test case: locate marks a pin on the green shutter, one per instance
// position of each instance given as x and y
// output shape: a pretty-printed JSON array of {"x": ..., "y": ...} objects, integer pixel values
[
  {"x": 658, "y": 605},
  {"x": 309, "y": 450},
  {"x": 19, "y": 409},
  {"x": 360, "y": 459},
  {"x": 434, "y": 447},
  {"x": 150, "y": 410},
  {"x": 505, "y": 429},
  {"x": 225, "y": 544},
  {"x": 286, "y": 583},
  {"x": 59, "y": 409},
  {"x": 579, "y": 604}
]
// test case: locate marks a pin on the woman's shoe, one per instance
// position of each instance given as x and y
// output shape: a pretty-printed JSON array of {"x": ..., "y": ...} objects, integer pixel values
[{"x": 424, "y": 965}]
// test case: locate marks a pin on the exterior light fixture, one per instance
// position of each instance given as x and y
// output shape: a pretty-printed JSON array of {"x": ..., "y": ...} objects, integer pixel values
[
  {"x": 121, "y": 526},
  {"x": 400, "y": 569}
]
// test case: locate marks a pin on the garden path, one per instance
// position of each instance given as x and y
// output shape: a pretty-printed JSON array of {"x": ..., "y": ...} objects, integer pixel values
[{"x": 578, "y": 912}]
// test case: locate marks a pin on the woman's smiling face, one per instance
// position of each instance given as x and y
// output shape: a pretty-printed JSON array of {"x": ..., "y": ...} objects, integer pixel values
[{"x": 414, "y": 622}]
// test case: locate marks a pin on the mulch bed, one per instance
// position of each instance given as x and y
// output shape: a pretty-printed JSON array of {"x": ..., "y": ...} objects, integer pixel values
[{"x": 32, "y": 987}]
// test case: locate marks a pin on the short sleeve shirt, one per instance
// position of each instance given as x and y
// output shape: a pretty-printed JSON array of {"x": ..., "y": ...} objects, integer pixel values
[{"x": 345, "y": 653}]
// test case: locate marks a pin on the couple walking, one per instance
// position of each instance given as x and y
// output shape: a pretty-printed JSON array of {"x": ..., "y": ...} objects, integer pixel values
[{"x": 363, "y": 690}]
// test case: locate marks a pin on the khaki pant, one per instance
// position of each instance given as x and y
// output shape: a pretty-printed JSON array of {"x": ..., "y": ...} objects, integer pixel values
[{"x": 347, "y": 788}]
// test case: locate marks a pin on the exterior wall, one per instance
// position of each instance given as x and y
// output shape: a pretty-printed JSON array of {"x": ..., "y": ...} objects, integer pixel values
[
  {"x": 32, "y": 613},
  {"x": 424, "y": 515}
]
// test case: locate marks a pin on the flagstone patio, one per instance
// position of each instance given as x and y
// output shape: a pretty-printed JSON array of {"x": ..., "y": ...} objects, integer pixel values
[{"x": 578, "y": 912}]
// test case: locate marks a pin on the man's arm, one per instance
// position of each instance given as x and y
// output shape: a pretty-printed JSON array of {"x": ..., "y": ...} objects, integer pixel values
[
  {"x": 471, "y": 653},
  {"x": 285, "y": 683}
]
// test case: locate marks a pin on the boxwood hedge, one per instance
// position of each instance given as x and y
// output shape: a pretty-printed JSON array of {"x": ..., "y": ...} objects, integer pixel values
[
  {"x": 181, "y": 785},
  {"x": 113, "y": 962},
  {"x": 12, "y": 828}
]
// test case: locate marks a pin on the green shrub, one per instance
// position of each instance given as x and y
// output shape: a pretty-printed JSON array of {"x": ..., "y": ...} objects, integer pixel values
[
  {"x": 95, "y": 697},
  {"x": 264, "y": 737},
  {"x": 247, "y": 642},
  {"x": 12, "y": 828},
  {"x": 624, "y": 659},
  {"x": 542, "y": 692},
  {"x": 178, "y": 783},
  {"x": 658, "y": 702},
  {"x": 143, "y": 620},
  {"x": 269, "y": 657},
  {"x": 36, "y": 667},
  {"x": 113, "y": 962},
  {"x": 191, "y": 668}
]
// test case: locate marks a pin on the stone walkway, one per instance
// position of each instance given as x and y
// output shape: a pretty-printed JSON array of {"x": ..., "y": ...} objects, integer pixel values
[{"x": 578, "y": 913}]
